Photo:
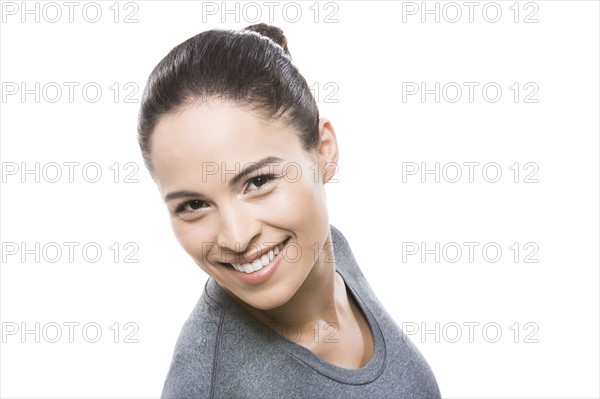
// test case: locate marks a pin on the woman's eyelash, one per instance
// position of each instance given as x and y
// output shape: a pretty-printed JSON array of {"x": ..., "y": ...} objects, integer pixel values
[
  {"x": 181, "y": 207},
  {"x": 269, "y": 177}
]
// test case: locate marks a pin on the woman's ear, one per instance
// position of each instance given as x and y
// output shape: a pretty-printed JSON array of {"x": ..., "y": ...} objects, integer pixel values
[{"x": 328, "y": 150}]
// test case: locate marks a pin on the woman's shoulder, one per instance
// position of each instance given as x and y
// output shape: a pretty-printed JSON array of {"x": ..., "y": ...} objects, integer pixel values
[
  {"x": 346, "y": 263},
  {"x": 217, "y": 334},
  {"x": 191, "y": 371}
]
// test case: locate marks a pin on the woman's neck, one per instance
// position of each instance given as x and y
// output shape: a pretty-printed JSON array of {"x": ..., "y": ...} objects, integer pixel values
[
  {"x": 323, "y": 317},
  {"x": 322, "y": 299}
]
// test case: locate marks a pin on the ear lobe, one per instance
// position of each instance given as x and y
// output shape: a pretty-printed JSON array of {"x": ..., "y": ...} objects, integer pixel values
[{"x": 328, "y": 150}]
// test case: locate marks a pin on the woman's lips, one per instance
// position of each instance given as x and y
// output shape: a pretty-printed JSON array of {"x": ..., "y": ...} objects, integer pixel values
[
  {"x": 266, "y": 258},
  {"x": 263, "y": 274}
]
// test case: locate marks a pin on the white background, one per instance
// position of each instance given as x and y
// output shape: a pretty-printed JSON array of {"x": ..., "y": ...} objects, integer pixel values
[{"x": 365, "y": 57}]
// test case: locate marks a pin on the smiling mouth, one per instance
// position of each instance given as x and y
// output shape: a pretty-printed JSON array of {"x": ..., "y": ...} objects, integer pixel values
[{"x": 261, "y": 262}]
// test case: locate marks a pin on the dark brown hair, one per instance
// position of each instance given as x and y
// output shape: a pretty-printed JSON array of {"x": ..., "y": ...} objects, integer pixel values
[{"x": 252, "y": 67}]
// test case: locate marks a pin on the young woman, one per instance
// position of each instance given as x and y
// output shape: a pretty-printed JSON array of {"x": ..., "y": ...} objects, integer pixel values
[{"x": 232, "y": 136}]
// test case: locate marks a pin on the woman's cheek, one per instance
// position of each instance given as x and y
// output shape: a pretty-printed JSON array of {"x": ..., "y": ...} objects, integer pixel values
[
  {"x": 191, "y": 240},
  {"x": 302, "y": 203},
  {"x": 288, "y": 204}
]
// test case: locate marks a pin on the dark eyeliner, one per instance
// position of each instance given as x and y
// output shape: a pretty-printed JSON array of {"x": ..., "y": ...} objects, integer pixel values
[
  {"x": 181, "y": 207},
  {"x": 269, "y": 176}
]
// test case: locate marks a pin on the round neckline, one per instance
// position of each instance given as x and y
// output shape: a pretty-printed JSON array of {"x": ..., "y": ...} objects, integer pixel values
[{"x": 354, "y": 376}]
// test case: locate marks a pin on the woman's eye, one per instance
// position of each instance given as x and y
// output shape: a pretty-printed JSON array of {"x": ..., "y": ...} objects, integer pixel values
[
  {"x": 190, "y": 206},
  {"x": 259, "y": 181}
]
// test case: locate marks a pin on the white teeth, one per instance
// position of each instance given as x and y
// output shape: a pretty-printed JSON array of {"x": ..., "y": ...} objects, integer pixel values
[
  {"x": 264, "y": 260},
  {"x": 256, "y": 265},
  {"x": 259, "y": 263}
]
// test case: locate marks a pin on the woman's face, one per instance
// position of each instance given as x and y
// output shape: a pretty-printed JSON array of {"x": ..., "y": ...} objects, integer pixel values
[{"x": 222, "y": 216}]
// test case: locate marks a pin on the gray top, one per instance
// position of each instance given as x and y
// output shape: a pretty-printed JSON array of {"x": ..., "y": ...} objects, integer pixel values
[{"x": 223, "y": 351}]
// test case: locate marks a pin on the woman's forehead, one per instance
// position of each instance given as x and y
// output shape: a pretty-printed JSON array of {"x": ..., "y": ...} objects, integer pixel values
[
  {"x": 218, "y": 133},
  {"x": 215, "y": 127}
]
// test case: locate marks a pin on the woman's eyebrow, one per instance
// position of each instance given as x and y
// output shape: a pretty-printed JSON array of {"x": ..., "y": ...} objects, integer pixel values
[
  {"x": 248, "y": 170},
  {"x": 252, "y": 166},
  {"x": 181, "y": 194}
]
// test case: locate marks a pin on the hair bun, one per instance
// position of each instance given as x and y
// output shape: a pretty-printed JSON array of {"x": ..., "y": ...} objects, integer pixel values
[{"x": 272, "y": 32}]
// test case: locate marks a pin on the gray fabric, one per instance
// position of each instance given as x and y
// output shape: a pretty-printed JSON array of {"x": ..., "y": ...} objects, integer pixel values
[{"x": 223, "y": 351}]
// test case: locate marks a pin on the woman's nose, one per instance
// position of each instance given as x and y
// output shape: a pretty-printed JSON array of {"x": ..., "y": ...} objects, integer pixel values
[{"x": 237, "y": 228}]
